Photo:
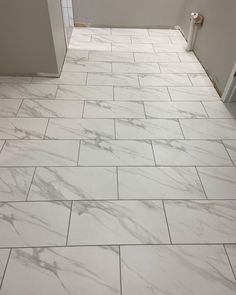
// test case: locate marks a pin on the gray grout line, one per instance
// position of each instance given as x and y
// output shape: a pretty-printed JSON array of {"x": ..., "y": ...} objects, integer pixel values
[
  {"x": 45, "y": 132},
  {"x": 153, "y": 153},
  {"x": 82, "y": 116},
  {"x": 222, "y": 142},
  {"x": 68, "y": 229},
  {"x": 2, "y": 147},
  {"x": 77, "y": 162},
  {"x": 201, "y": 183},
  {"x": 167, "y": 224},
  {"x": 117, "y": 180},
  {"x": 19, "y": 108},
  {"x": 205, "y": 110},
  {"x": 121, "y": 291},
  {"x": 180, "y": 126},
  {"x": 115, "y": 132},
  {"x": 229, "y": 261},
  {"x": 31, "y": 182},
  {"x": 5, "y": 269}
]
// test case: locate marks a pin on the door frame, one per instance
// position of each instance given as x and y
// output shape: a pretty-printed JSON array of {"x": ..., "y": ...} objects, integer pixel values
[{"x": 230, "y": 89}]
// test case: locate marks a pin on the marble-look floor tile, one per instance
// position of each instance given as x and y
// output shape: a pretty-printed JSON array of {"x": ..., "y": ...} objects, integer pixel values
[
  {"x": 141, "y": 94},
  {"x": 200, "y": 80},
  {"x": 15, "y": 183},
  {"x": 113, "y": 79},
  {"x": 4, "y": 254},
  {"x": 169, "y": 48},
  {"x": 15, "y": 79},
  {"x": 117, "y": 222},
  {"x": 22, "y": 128},
  {"x": 209, "y": 128},
  {"x": 178, "y": 39},
  {"x": 231, "y": 251},
  {"x": 74, "y": 55},
  {"x": 193, "y": 93},
  {"x": 85, "y": 92},
  {"x": 76, "y": 37},
  {"x": 181, "y": 68},
  {"x": 65, "y": 78},
  {"x": 151, "y": 39},
  {"x": 156, "y": 57},
  {"x": 74, "y": 183},
  {"x": 176, "y": 270},
  {"x": 63, "y": 271},
  {"x": 187, "y": 57},
  {"x": 111, "y": 56},
  {"x": 80, "y": 129},
  {"x": 159, "y": 183},
  {"x": 135, "y": 67},
  {"x": 148, "y": 129},
  {"x": 51, "y": 108},
  {"x": 111, "y": 39},
  {"x": 220, "y": 109},
  {"x": 164, "y": 80},
  {"x": 27, "y": 91},
  {"x": 134, "y": 47},
  {"x": 92, "y": 31},
  {"x": 34, "y": 223},
  {"x": 129, "y": 32},
  {"x": 201, "y": 221},
  {"x": 231, "y": 148},
  {"x": 174, "y": 110},
  {"x": 113, "y": 109},
  {"x": 39, "y": 153},
  {"x": 218, "y": 182},
  {"x": 99, "y": 46},
  {"x": 190, "y": 153},
  {"x": 9, "y": 107},
  {"x": 115, "y": 153},
  {"x": 164, "y": 32},
  {"x": 1, "y": 144},
  {"x": 85, "y": 67}
]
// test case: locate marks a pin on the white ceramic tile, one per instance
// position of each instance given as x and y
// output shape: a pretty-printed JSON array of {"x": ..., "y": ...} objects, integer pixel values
[
  {"x": 132, "y": 32},
  {"x": 15, "y": 79},
  {"x": 90, "y": 46},
  {"x": 169, "y": 48},
  {"x": 178, "y": 270},
  {"x": 76, "y": 38},
  {"x": 159, "y": 183},
  {"x": 194, "y": 93},
  {"x": 190, "y": 153},
  {"x": 15, "y": 183},
  {"x": 231, "y": 148},
  {"x": 113, "y": 79},
  {"x": 164, "y": 32},
  {"x": 80, "y": 129},
  {"x": 148, "y": 129},
  {"x": 27, "y": 91},
  {"x": 181, "y": 68},
  {"x": 111, "y": 39},
  {"x": 89, "y": 31},
  {"x": 200, "y": 80},
  {"x": 231, "y": 251},
  {"x": 113, "y": 109},
  {"x": 187, "y": 57},
  {"x": 179, "y": 39},
  {"x": 219, "y": 182},
  {"x": 174, "y": 110},
  {"x": 74, "y": 183},
  {"x": 134, "y": 47},
  {"x": 39, "y": 153},
  {"x": 148, "y": 39},
  {"x": 156, "y": 57},
  {"x": 115, "y": 153},
  {"x": 73, "y": 55},
  {"x": 135, "y": 68},
  {"x": 9, "y": 107},
  {"x": 201, "y": 221},
  {"x": 117, "y": 222},
  {"x": 111, "y": 56},
  {"x": 34, "y": 224},
  {"x": 85, "y": 92},
  {"x": 141, "y": 94},
  {"x": 85, "y": 67},
  {"x": 4, "y": 254},
  {"x": 74, "y": 270},
  {"x": 65, "y": 78},
  {"x": 51, "y": 108},
  {"x": 209, "y": 128},
  {"x": 164, "y": 80},
  {"x": 220, "y": 109}
]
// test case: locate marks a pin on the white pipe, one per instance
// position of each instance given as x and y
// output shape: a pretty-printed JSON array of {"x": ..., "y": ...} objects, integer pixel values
[{"x": 191, "y": 33}]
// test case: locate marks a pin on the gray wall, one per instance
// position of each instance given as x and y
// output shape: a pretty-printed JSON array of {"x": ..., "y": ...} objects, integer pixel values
[
  {"x": 31, "y": 38},
  {"x": 216, "y": 42},
  {"x": 128, "y": 13}
]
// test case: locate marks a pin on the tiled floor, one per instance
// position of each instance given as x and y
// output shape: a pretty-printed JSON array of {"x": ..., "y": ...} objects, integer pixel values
[{"x": 118, "y": 177}]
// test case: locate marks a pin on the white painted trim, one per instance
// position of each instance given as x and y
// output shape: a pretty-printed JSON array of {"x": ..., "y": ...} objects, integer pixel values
[{"x": 230, "y": 88}]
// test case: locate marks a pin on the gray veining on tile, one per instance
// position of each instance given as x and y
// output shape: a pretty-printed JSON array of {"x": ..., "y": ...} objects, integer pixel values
[
  {"x": 193, "y": 93},
  {"x": 111, "y": 56},
  {"x": 141, "y": 94},
  {"x": 22, "y": 128},
  {"x": 202, "y": 221},
  {"x": 115, "y": 153},
  {"x": 99, "y": 46},
  {"x": 190, "y": 153},
  {"x": 159, "y": 183},
  {"x": 65, "y": 78},
  {"x": 51, "y": 108},
  {"x": 200, "y": 80},
  {"x": 176, "y": 270},
  {"x": 121, "y": 67},
  {"x": 218, "y": 182},
  {"x": 113, "y": 109},
  {"x": 220, "y": 109},
  {"x": 148, "y": 129},
  {"x": 113, "y": 79},
  {"x": 156, "y": 57},
  {"x": 15, "y": 183},
  {"x": 85, "y": 92},
  {"x": 39, "y": 153},
  {"x": 73, "y": 55},
  {"x": 9, "y": 107},
  {"x": 117, "y": 222},
  {"x": 85, "y": 67},
  {"x": 80, "y": 129},
  {"x": 63, "y": 271},
  {"x": 4, "y": 253},
  {"x": 111, "y": 39},
  {"x": 231, "y": 148},
  {"x": 134, "y": 47},
  {"x": 74, "y": 183},
  {"x": 174, "y": 110},
  {"x": 33, "y": 223},
  {"x": 181, "y": 68},
  {"x": 164, "y": 80}
]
